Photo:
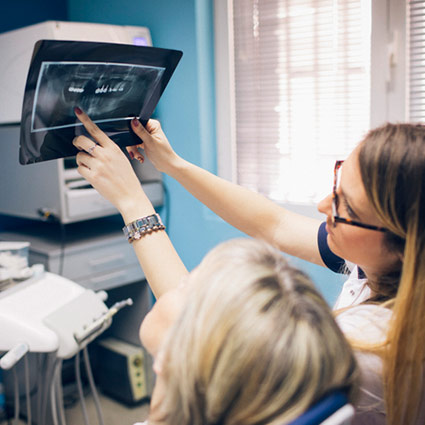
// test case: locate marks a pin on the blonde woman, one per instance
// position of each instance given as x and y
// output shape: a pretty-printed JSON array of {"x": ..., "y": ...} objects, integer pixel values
[
  {"x": 375, "y": 225},
  {"x": 253, "y": 342}
]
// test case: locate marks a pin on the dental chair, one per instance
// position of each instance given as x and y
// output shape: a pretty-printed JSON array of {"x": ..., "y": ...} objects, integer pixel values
[{"x": 333, "y": 409}]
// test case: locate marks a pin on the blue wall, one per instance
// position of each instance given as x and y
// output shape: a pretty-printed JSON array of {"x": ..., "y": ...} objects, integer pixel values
[
  {"x": 186, "y": 110},
  {"x": 187, "y": 113}
]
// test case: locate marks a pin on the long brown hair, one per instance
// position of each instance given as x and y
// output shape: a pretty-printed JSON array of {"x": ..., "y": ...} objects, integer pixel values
[{"x": 392, "y": 165}]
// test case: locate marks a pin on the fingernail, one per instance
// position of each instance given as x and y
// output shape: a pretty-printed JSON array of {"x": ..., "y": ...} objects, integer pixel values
[
  {"x": 131, "y": 155},
  {"x": 136, "y": 122},
  {"x": 77, "y": 110}
]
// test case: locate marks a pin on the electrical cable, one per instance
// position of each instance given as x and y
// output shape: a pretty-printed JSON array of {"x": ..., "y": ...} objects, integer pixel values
[
  {"x": 93, "y": 386},
  {"x": 27, "y": 390},
  {"x": 62, "y": 248},
  {"x": 80, "y": 388},
  {"x": 51, "y": 217}
]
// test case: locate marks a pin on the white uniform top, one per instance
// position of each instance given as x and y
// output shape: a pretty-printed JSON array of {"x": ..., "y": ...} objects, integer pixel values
[{"x": 367, "y": 323}]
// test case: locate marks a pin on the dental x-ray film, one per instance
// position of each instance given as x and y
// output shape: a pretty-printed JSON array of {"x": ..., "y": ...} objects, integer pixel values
[{"x": 112, "y": 83}]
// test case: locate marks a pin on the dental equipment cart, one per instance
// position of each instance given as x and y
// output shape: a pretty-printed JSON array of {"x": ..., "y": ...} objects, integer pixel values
[{"x": 47, "y": 314}]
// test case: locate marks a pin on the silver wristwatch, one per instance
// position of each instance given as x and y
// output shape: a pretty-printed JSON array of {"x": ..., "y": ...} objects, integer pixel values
[{"x": 142, "y": 226}]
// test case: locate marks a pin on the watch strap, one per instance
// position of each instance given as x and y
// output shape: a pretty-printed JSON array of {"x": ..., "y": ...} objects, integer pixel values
[{"x": 142, "y": 226}]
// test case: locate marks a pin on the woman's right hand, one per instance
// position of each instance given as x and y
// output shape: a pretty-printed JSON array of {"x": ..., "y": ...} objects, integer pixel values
[
  {"x": 102, "y": 163},
  {"x": 155, "y": 145}
]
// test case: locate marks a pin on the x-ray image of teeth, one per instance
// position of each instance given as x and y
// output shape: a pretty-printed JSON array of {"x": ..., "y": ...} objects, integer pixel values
[
  {"x": 112, "y": 83},
  {"x": 105, "y": 91}
]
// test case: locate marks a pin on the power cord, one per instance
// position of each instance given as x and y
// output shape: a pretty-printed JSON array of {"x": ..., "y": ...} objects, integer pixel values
[{"x": 49, "y": 216}]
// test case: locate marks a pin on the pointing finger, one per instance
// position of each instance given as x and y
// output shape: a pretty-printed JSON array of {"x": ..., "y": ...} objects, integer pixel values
[{"x": 94, "y": 131}]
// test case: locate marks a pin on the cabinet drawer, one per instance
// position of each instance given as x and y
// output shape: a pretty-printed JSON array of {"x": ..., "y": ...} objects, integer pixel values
[
  {"x": 112, "y": 279},
  {"x": 104, "y": 256},
  {"x": 90, "y": 261}
]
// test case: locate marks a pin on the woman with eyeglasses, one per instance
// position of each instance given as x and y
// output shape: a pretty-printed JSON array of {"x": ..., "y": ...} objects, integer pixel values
[{"x": 375, "y": 231}]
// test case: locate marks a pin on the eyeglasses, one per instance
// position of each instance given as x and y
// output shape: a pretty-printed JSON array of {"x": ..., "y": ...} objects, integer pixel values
[{"x": 336, "y": 217}]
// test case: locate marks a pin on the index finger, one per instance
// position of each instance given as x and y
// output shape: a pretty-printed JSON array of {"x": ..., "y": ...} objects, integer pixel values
[{"x": 98, "y": 135}]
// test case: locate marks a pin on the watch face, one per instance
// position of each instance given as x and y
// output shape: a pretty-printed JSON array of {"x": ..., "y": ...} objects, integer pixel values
[{"x": 112, "y": 83}]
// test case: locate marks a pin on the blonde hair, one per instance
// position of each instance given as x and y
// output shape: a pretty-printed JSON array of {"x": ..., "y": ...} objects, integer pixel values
[
  {"x": 392, "y": 165},
  {"x": 255, "y": 343}
]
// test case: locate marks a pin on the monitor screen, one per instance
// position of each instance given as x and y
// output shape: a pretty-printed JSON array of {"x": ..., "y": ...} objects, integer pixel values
[{"x": 112, "y": 83}]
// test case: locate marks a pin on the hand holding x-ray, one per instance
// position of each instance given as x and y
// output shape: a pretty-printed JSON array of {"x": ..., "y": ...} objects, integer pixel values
[
  {"x": 154, "y": 144},
  {"x": 105, "y": 166}
]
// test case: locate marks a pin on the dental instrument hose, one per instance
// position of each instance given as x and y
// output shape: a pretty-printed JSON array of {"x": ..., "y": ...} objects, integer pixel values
[
  {"x": 59, "y": 393},
  {"x": 93, "y": 386},
  {"x": 56, "y": 399},
  {"x": 81, "y": 338},
  {"x": 41, "y": 361},
  {"x": 10, "y": 361},
  {"x": 27, "y": 390},
  {"x": 98, "y": 324},
  {"x": 49, "y": 369},
  {"x": 53, "y": 401},
  {"x": 16, "y": 389},
  {"x": 80, "y": 388}
]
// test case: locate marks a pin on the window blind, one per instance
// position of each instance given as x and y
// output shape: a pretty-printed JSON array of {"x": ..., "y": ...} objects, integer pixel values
[
  {"x": 302, "y": 92},
  {"x": 416, "y": 61}
]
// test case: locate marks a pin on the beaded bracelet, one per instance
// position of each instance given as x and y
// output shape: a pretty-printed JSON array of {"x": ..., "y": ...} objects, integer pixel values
[{"x": 142, "y": 226}]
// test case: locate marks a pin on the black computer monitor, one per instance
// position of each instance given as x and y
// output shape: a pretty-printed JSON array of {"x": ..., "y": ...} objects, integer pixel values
[{"x": 112, "y": 83}]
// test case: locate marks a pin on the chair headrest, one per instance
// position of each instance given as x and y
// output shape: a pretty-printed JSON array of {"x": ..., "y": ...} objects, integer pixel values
[{"x": 322, "y": 409}]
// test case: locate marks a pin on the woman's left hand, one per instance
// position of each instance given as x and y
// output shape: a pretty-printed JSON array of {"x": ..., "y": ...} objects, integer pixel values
[{"x": 102, "y": 163}]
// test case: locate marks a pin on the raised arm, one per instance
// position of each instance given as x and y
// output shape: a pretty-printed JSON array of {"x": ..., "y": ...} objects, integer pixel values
[
  {"x": 104, "y": 165},
  {"x": 244, "y": 209}
]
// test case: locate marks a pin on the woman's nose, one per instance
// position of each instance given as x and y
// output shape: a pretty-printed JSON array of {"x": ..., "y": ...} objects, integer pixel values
[{"x": 325, "y": 205}]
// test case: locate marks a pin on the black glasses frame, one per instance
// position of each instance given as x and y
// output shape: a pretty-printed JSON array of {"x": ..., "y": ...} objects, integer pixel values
[{"x": 335, "y": 202}]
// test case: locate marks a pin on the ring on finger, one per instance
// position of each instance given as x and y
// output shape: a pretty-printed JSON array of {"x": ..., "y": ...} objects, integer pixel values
[{"x": 91, "y": 149}]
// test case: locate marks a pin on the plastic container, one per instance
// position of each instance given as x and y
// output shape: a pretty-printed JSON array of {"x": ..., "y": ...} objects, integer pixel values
[{"x": 14, "y": 255}]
